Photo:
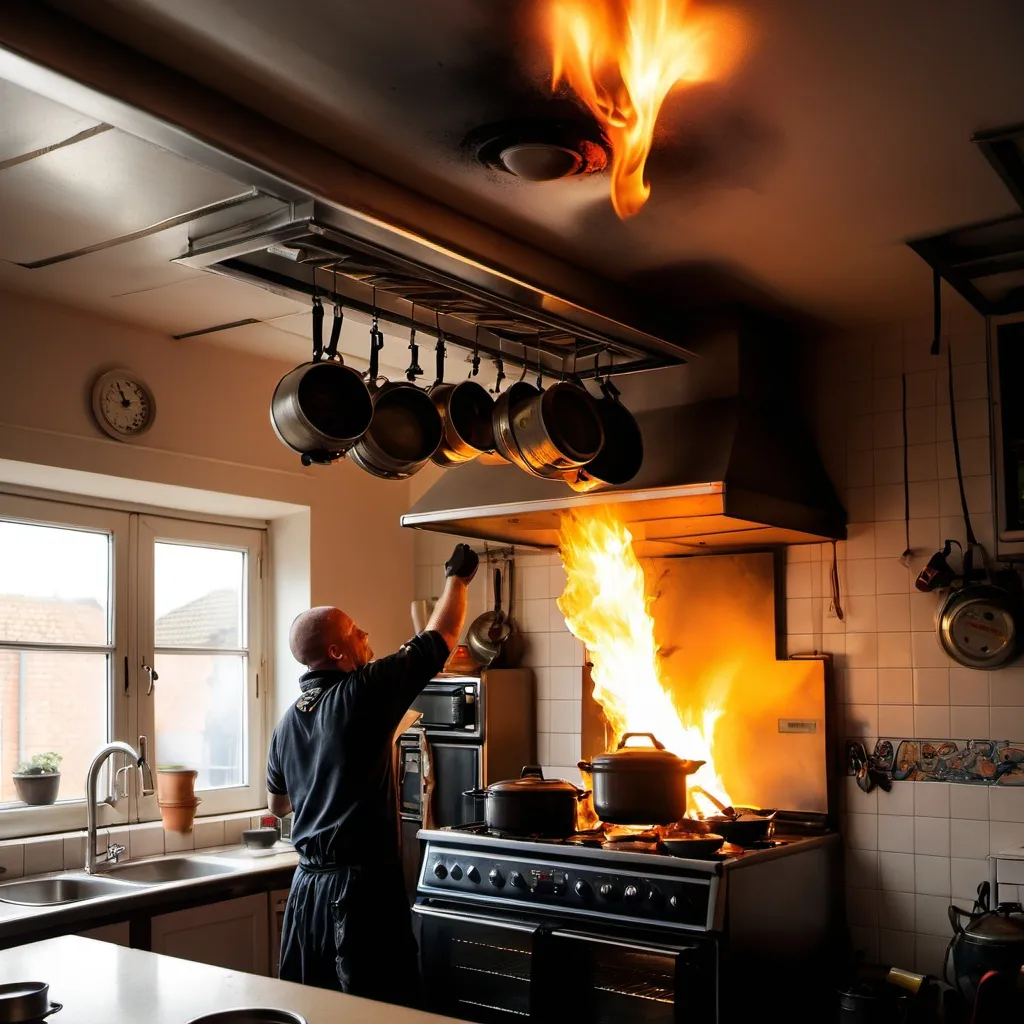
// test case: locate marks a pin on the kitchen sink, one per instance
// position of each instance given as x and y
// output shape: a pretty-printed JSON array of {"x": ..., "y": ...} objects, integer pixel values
[
  {"x": 45, "y": 892},
  {"x": 173, "y": 869}
]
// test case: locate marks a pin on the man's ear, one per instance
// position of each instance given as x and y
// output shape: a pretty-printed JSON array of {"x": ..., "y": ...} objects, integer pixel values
[{"x": 335, "y": 652}]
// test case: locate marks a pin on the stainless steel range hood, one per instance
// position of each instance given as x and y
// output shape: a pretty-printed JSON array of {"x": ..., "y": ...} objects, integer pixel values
[{"x": 734, "y": 471}]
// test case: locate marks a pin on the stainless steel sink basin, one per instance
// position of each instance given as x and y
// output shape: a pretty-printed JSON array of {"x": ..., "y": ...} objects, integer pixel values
[
  {"x": 173, "y": 869},
  {"x": 45, "y": 892}
]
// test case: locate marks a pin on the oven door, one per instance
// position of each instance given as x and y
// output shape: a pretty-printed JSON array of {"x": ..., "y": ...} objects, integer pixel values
[
  {"x": 477, "y": 967},
  {"x": 631, "y": 979},
  {"x": 488, "y": 967}
]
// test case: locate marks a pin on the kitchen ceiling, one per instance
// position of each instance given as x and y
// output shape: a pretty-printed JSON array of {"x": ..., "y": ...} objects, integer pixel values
[{"x": 845, "y": 132}]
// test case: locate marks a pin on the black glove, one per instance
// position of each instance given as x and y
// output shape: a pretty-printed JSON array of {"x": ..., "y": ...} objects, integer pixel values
[{"x": 463, "y": 563}]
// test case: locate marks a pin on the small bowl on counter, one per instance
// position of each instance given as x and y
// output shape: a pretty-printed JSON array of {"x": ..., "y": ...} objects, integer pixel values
[{"x": 259, "y": 839}]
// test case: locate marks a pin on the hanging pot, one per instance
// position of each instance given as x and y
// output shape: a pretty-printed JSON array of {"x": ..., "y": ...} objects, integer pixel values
[
  {"x": 530, "y": 805},
  {"x": 992, "y": 940},
  {"x": 321, "y": 408},
  {"x": 488, "y": 632},
  {"x": 405, "y": 429},
  {"x": 981, "y": 626},
  {"x": 505, "y": 405},
  {"x": 639, "y": 785},
  {"x": 622, "y": 454},
  {"x": 466, "y": 411},
  {"x": 556, "y": 430}
]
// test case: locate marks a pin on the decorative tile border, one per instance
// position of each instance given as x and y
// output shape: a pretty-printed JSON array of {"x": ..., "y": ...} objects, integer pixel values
[{"x": 975, "y": 762}]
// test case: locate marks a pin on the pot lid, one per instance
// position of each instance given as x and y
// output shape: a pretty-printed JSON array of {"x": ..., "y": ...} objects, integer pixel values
[
  {"x": 532, "y": 781},
  {"x": 1004, "y": 926},
  {"x": 642, "y": 757}
]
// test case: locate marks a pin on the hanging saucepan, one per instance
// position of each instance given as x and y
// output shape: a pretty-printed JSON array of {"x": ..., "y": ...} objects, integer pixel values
[
  {"x": 530, "y": 805},
  {"x": 466, "y": 412},
  {"x": 622, "y": 454},
  {"x": 501, "y": 419},
  {"x": 406, "y": 426},
  {"x": 639, "y": 785},
  {"x": 981, "y": 625},
  {"x": 321, "y": 408},
  {"x": 556, "y": 430},
  {"x": 992, "y": 940}
]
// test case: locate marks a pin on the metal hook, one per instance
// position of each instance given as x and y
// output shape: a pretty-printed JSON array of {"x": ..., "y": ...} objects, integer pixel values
[
  {"x": 540, "y": 368},
  {"x": 575, "y": 354},
  {"x": 415, "y": 370},
  {"x": 500, "y": 364},
  {"x": 476, "y": 355}
]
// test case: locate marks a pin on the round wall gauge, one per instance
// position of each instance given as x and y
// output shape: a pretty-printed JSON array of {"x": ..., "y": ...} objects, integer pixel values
[{"x": 122, "y": 404}]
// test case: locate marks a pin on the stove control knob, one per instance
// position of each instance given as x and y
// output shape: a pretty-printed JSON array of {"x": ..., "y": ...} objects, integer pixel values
[
  {"x": 456, "y": 872},
  {"x": 632, "y": 894},
  {"x": 440, "y": 871},
  {"x": 472, "y": 874},
  {"x": 516, "y": 880},
  {"x": 608, "y": 891},
  {"x": 584, "y": 890},
  {"x": 497, "y": 879}
]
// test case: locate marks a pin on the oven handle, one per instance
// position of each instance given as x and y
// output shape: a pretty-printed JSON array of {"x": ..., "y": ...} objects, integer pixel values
[
  {"x": 449, "y": 915},
  {"x": 660, "y": 950}
]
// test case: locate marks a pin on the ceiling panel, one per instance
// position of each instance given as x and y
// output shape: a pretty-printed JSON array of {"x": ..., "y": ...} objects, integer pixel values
[
  {"x": 29, "y": 122},
  {"x": 105, "y": 186}
]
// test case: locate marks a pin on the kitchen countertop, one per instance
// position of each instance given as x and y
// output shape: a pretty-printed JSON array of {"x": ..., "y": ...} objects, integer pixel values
[
  {"x": 250, "y": 873},
  {"x": 100, "y": 983}
]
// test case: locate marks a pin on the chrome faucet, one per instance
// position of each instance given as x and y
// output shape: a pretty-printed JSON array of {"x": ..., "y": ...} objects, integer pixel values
[{"x": 113, "y": 850}]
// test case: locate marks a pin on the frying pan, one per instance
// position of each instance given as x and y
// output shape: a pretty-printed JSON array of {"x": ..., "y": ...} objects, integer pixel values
[
  {"x": 744, "y": 829},
  {"x": 691, "y": 844},
  {"x": 26, "y": 1001},
  {"x": 489, "y": 631}
]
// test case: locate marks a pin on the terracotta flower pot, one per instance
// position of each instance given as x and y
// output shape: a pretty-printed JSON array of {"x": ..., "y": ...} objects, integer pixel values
[
  {"x": 175, "y": 785},
  {"x": 179, "y": 817}
]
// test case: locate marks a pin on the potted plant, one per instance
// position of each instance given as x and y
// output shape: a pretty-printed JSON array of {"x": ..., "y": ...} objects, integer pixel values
[{"x": 38, "y": 779}]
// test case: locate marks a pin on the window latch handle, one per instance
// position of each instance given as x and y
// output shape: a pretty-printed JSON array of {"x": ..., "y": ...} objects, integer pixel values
[{"x": 153, "y": 677}]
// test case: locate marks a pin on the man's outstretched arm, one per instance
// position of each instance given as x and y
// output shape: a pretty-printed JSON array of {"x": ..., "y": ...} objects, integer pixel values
[{"x": 449, "y": 614}]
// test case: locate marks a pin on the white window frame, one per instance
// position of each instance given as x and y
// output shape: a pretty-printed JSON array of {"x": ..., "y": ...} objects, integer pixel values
[
  {"x": 131, "y": 708},
  {"x": 65, "y": 815}
]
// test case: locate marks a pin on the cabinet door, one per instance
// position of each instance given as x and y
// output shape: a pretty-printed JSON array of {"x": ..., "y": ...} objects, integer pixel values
[
  {"x": 231, "y": 934},
  {"x": 116, "y": 933}
]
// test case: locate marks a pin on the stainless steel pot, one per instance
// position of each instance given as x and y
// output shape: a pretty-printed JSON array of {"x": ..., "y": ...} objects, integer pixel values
[
  {"x": 981, "y": 626},
  {"x": 501, "y": 419},
  {"x": 992, "y": 940},
  {"x": 622, "y": 453},
  {"x": 466, "y": 411},
  {"x": 556, "y": 430},
  {"x": 26, "y": 1001},
  {"x": 321, "y": 408},
  {"x": 639, "y": 785},
  {"x": 404, "y": 432},
  {"x": 531, "y": 805}
]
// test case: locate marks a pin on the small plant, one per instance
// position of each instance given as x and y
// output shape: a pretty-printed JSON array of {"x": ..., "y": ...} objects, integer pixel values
[{"x": 41, "y": 764}]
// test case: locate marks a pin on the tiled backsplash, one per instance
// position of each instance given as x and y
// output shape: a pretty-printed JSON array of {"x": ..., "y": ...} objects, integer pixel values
[
  {"x": 972, "y": 762},
  {"x": 912, "y": 850}
]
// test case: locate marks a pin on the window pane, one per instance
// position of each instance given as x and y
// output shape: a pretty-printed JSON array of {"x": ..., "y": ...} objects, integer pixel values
[
  {"x": 52, "y": 701},
  {"x": 201, "y": 716},
  {"x": 199, "y": 596},
  {"x": 54, "y": 584}
]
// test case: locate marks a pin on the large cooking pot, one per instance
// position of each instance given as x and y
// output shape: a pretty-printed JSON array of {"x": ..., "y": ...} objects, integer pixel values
[
  {"x": 25, "y": 1001},
  {"x": 639, "y": 785},
  {"x": 321, "y": 408},
  {"x": 466, "y": 415},
  {"x": 992, "y": 940},
  {"x": 530, "y": 805},
  {"x": 555, "y": 430},
  {"x": 622, "y": 453},
  {"x": 507, "y": 402}
]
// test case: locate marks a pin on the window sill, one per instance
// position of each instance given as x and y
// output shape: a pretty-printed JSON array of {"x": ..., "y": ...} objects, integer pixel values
[{"x": 65, "y": 851}]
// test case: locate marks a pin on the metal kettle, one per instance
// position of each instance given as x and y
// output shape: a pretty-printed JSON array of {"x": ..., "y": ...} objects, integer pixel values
[{"x": 992, "y": 940}]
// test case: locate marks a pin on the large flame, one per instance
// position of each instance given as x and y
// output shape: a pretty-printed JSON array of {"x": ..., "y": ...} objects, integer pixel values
[
  {"x": 623, "y": 57},
  {"x": 605, "y": 604}
]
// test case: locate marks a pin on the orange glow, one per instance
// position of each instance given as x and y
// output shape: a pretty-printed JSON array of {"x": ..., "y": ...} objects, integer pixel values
[
  {"x": 623, "y": 57},
  {"x": 606, "y": 605}
]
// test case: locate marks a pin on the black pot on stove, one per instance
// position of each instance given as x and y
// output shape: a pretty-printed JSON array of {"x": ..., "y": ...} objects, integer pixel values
[{"x": 530, "y": 805}]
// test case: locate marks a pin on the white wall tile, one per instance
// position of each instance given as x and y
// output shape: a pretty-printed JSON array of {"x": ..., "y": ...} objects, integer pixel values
[
  {"x": 920, "y": 389},
  {"x": 538, "y": 649},
  {"x": 861, "y": 614},
  {"x": 887, "y": 466},
  {"x": 800, "y": 615},
  {"x": 896, "y": 910},
  {"x": 562, "y": 719},
  {"x": 895, "y": 720},
  {"x": 931, "y": 913},
  {"x": 969, "y": 723},
  {"x": 931, "y": 686},
  {"x": 1005, "y": 803},
  {"x": 233, "y": 829},
  {"x": 966, "y": 686},
  {"x": 968, "y": 838},
  {"x": 931, "y": 875},
  {"x": 855, "y": 799},
  {"x": 931, "y": 836},
  {"x": 177, "y": 842},
  {"x": 1008, "y": 721},
  {"x": 859, "y": 577},
  {"x": 922, "y": 461},
  {"x": 895, "y": 686},
  {"x": 896, "y": 949},
  {"x": 861, "y": 831},
  {"x": 894, "y": 649},
  {"x": 861, "y": 650},
  {"x": 860, "y": 720},
  {"x": 899, "y": 799},
  {"x": 896, "y": 871},
  {"x": 561, "y": 746},
  {"x": 890, "y": 537},
  {"x": 43, "y": 855},
  {"x": 862, "y": 907},
  {"x": 965, "y": 875},
  {"x": 207, "y": 834},
  {"x": 927, "y": 652},
  {"x": 861, "y": 685},
  {"x": 566, "y": 683},
  {"x": 1006, "y": 688},
  {"x": 889, "y": 502},
  {"x": 893, "y": 613},
  {"x": 931, "y": 799},
  {"x": 74, "y": 852},
  {"x": 931, "y": 723},
  {"x": 1005, "y": 835},
  {"x": 930, "y": 952},
  {"x": 861, "y": 869},
  {"x": 969, "y": 802},
  {"x": 892, "y": 576},
  {"x": 12, "y": 861},
  {"x": 923, "y": 609},
  {"x": 895, "y": 832},
  {"x": 887, "y": 394}
]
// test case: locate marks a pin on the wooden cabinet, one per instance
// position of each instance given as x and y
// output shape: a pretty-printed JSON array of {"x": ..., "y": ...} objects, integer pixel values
[
  {"x": 231, "y": 934},
  {"x": 117, "y": 933}
]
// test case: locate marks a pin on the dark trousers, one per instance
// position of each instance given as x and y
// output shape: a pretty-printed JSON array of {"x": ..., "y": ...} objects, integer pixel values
[{"x": 350, "y": 929}]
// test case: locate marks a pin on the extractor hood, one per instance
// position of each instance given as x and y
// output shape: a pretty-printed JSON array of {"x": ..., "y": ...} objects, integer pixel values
[{"x": 734, "y": 471}]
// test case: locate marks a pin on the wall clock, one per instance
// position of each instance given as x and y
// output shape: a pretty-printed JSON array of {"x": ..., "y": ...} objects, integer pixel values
[{"x": 123, "y": 404}]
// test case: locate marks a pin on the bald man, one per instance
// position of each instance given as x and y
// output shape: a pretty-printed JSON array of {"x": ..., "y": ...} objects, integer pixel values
[{"x": 347, "y": 924}]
